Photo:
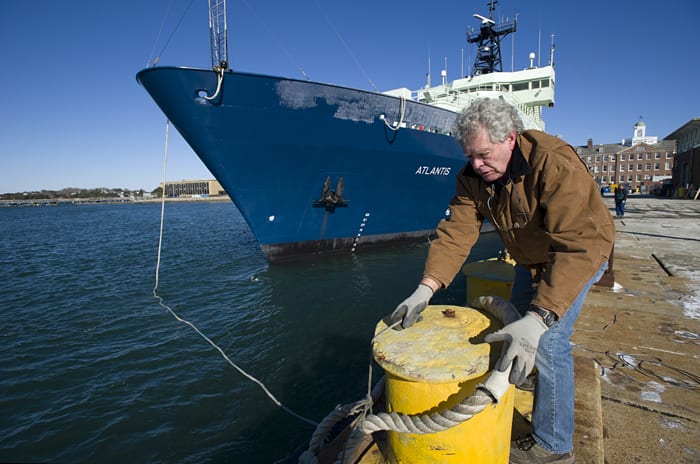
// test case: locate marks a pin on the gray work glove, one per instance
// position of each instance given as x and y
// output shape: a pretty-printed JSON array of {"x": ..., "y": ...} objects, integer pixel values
[
  {"x": 408, "y": 311},
  {"x": 522, "y": 338}
]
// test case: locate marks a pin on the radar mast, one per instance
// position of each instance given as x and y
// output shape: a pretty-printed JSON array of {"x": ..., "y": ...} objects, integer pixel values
[{"x": 488, "y": 40}]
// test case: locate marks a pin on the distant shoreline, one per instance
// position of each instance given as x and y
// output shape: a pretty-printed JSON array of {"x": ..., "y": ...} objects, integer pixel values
[{"x": 107, "y": 201}]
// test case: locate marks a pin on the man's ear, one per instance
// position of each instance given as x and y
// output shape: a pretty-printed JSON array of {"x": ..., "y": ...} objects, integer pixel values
[{"x": 511, "y": 139}]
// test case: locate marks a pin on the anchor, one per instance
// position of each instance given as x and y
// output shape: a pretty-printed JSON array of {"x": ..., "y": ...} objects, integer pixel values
[{"x": 332, "y": 199}]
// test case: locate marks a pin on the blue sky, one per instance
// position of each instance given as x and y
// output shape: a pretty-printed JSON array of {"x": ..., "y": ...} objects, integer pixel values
[{"x": 73, "y": 115}]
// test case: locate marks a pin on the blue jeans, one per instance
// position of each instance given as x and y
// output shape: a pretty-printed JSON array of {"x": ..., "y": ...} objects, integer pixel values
[
  {"x": 620, "y": 208},
  {"x": 553, "y": 410}
]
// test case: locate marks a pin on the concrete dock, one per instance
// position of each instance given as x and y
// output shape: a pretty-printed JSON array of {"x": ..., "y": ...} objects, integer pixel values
[{"x": 637, "y": 343}]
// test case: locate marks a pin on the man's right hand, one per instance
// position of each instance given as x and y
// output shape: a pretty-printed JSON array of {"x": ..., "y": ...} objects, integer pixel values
[{"x": 408, "y": 312}]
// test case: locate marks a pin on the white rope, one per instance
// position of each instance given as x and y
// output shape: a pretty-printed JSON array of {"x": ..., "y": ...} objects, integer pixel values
[
  {"x": 429, "y": 423},
  {"x": 220, "y": 79},
  {"x": 167, "y": 308},
  {"x": 402, "y": 113}
]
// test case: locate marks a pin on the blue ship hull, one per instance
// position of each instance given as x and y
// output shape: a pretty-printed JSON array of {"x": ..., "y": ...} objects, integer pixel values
[{"x": 274, "y": 142}]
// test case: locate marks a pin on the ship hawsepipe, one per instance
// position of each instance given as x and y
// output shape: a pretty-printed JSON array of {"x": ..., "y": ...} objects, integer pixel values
[{"x": 315, "y": 168}]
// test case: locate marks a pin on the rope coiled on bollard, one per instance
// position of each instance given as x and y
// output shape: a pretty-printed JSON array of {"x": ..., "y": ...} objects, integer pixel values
[{"x": 430, "y": 423}]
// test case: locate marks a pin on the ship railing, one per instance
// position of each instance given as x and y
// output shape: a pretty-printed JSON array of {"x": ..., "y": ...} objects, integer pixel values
[{"x": 447, "y": 97}]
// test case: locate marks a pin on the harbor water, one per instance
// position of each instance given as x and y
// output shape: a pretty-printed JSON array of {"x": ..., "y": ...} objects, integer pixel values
[{"x": 92, "y": 369}]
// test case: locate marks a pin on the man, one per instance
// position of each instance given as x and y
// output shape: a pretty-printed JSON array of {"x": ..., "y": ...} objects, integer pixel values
[
  {"x": 545, "y": 205},
  {"x": 620, "y": 199}
]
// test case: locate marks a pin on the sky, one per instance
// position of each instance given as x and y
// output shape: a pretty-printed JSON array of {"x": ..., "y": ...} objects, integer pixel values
[{"x": 73, "y": 115}]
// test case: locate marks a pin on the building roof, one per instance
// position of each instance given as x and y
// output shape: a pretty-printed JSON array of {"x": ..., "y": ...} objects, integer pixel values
[
  {"x": 661, "y": 145},
  {"x": 688, "y": 126},
  {"x": 614, "y": 148}
]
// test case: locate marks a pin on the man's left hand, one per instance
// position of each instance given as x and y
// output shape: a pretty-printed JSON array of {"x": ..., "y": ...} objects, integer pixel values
[{"x": 522, "y": 338}]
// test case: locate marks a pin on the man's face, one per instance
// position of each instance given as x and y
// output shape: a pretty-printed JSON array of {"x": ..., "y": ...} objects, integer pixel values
[{"x": 489, "y": 160}]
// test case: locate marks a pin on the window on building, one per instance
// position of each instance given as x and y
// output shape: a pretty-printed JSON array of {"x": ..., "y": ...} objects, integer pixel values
[
  {"x": 612, "y": 179},
  {"x": 597, "y": 159},
  {"x": 648, "y": 156},
  {"x": 647, "y": 177},
  {"x": 667, "y": 166},
  {"x": 657, "y": 155},
  {"x": 605, "y": 168},
  {"x": 622, "y": 168},
  {"x": 613, "y": 158},
  {"x": 605, "y": 179},
  {"x": 623, "y": 157},
  {"x": 629, "y": 178},
  {"x": 639, "y": 167},
  {"x": 647, "y": 167},
  {"x": 630, "y": 167},
  {"x": 657, "y": 166},
  {"x": 639, "y": 177}
]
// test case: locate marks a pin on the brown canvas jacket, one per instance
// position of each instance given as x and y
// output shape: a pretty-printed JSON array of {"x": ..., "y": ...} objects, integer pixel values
[{"x": 549, "y": 215}]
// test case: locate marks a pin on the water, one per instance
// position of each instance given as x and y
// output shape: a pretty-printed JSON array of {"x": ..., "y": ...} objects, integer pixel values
[{"x": 92, "y": 369}]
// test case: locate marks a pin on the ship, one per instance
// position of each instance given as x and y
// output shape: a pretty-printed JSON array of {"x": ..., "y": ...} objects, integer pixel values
[{"x": 317, "y": 168}]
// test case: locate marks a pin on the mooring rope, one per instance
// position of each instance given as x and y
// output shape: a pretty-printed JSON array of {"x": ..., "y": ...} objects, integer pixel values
[
  {"x": 191, "y": 325},
  {"x": 402, "y": 114},
  {"x": 220, "y": 80},
  {"x": 430, "y": 423},
  {"x": 417, "y": 424}
]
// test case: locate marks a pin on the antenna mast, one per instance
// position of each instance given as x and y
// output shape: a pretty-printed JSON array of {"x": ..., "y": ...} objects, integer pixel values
[
  {"x": 218, "y": 35},
  {"x": 488, "y": 40},
  {"x": 551, "y": 53}
]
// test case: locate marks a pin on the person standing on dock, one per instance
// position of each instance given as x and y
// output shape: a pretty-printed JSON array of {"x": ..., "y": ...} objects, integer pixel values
[
  {"x": 620, "y": 200},
  {"x": 548, "y": 211}
]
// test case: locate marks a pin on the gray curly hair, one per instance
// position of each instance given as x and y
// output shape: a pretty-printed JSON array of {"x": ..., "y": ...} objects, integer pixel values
[{"x": 493, "y": 114}]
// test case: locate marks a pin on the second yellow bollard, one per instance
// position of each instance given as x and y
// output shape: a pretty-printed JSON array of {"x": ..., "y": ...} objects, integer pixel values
[{"x": 489, "y": 277}]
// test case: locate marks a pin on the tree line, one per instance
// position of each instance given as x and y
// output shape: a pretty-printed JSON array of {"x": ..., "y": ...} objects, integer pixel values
[{"x": 72, "y": 193}]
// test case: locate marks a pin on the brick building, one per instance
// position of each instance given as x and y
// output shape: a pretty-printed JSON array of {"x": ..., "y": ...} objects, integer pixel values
[
  {"x": 192, "y": 188},
  {"x": 640, "y": 162},
  {"x": 686, "y": 167}
]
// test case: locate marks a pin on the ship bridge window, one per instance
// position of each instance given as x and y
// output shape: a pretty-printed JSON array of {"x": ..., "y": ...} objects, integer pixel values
[
  {"x": 544, "y": 83},
  {"x": 520, "y": 86},
  {"x": 535, "y": 84}
]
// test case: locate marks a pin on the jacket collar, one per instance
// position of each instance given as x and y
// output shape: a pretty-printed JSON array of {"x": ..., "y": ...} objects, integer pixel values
[{"x": 519, "y": 166}]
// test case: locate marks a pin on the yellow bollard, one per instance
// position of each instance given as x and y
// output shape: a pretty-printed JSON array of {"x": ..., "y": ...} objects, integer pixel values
[
  {"x": 433, "y": 366},
  {"x": 492, "y": 277}
]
